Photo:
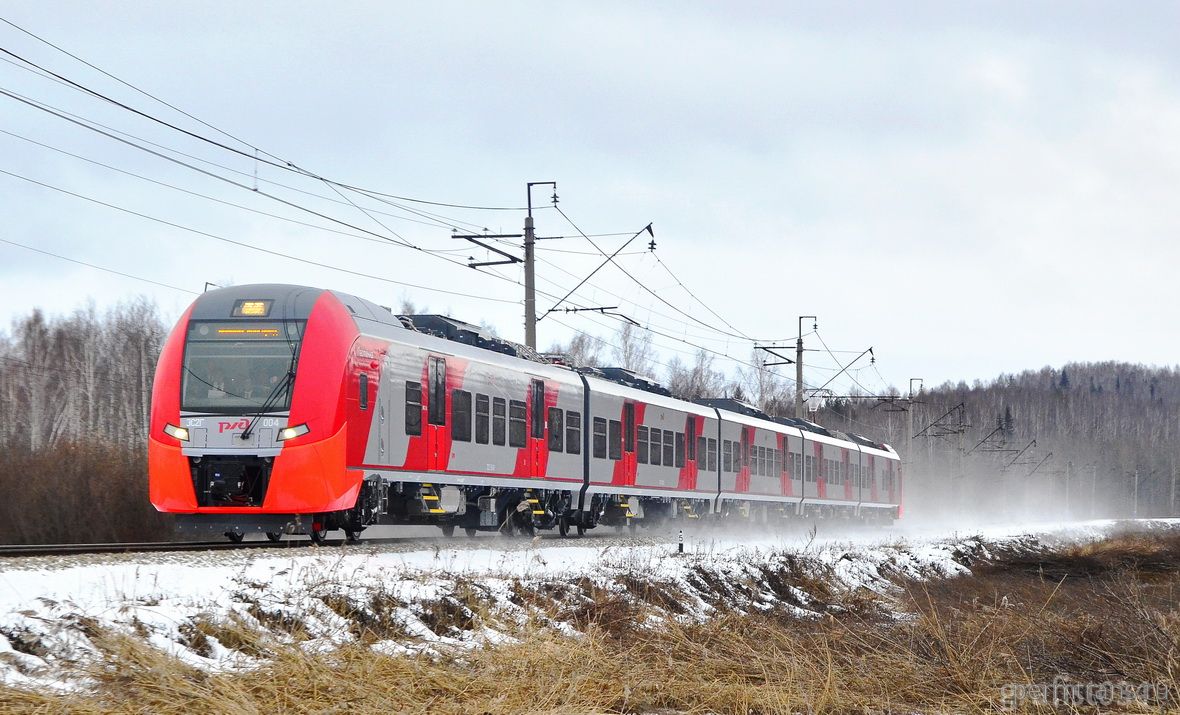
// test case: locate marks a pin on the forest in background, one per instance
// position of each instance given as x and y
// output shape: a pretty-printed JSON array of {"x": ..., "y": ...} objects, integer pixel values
[{"x": 75, "y": 393}]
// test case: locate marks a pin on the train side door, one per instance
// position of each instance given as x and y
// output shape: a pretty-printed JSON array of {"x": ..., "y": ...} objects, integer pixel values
[
  {"x": 874, "y": 496},
  {"x": 436, "y": 414},
  {"x": 846, "y": 471},
  {"x": 630, "y": 465},
  {"x": 534, "y": 456}
]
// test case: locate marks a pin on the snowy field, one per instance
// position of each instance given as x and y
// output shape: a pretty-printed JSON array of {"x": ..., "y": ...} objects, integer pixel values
[{"x": 57, "y": 614}]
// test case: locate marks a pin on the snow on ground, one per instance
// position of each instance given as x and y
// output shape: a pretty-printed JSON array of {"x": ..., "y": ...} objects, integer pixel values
[{"x": 219, "y": 610}]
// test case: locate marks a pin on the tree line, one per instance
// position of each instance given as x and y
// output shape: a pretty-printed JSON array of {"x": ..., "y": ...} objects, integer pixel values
[{"x": 75, "y": 392}]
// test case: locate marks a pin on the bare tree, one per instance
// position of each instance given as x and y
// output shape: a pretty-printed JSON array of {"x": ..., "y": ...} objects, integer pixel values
[
  {"x": 634, "y": 350},
  {"x": 697, "y": 380},
  {"x": 583, "y": 350}
]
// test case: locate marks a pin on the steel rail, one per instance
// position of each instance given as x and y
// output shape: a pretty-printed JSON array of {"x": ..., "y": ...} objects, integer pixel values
[{"x": 28, "y": 550}]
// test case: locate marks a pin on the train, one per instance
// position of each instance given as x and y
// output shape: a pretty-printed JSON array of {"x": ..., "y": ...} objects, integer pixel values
[{"x": 283, "y": 409}]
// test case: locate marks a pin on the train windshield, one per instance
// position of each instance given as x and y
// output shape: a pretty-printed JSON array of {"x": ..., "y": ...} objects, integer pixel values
[{"x": 236, "y": 367}]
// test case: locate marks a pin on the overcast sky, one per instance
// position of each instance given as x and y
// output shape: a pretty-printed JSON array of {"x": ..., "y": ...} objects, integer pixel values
[{"x": 968, "y": 189}]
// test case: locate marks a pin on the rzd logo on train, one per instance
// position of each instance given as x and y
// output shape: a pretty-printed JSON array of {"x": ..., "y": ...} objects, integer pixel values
[{"x": 230, "y": 426}]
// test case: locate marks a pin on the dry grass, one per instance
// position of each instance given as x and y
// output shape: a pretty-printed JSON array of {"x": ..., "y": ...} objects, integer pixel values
[
  {"x": 52, "y": 495},
  {"x": 1093, "y": 613}
]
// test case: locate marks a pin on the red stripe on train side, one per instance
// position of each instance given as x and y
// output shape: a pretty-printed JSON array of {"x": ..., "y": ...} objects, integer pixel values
[
  {"x": 417, "y": 451},
  {"x": 846, "y": 459},
  {"x": 787, "y": 488},
  {"x": 821, "y": 477},
  {"x": 691, "y": 471},
  {"x": 455, "y": 376},
  {"x": 873, "y": 497}
]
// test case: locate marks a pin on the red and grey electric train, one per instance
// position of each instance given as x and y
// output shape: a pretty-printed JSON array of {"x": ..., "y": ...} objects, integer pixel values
[{"x": 287, "y": 409}]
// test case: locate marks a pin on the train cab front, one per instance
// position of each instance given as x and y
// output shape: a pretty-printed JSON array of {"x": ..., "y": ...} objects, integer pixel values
[
  {"x": 236, "y": 385},
  {"x": 239, "y": 441}
]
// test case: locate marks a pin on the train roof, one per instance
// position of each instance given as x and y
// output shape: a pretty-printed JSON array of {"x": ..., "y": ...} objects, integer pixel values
[
  {"x": 287, "y": 302},
  {"x": 444, "y": 326},
  {"x": 731, "y": 405},
  {"x": 630, "y": 378}
]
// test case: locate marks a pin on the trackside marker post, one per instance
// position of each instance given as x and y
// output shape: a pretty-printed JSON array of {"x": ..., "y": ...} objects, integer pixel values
[{"x": 680, "y": 543}]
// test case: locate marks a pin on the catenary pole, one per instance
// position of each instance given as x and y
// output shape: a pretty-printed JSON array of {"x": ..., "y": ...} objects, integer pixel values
[
  {"x": 530, "y": 285},
  {"x": 799, "y": 368}
]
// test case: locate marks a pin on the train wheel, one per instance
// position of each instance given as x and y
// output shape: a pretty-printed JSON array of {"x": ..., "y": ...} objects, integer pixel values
[
  {"x": 581, "y": 529},
  {"x": 448, "y": 530},
  {"x": 318, "y": 533},
  {"x": 470, "y": 532},
  {"x": 632, "y": 526},
  {"x": 235, "y": 536},
  {"x": 274, "y": 536},
  {"x": 563, "y": 526},
  {"x": 352, "y": 536}
]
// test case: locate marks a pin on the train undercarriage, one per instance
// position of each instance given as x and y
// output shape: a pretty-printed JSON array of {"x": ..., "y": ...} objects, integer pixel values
[{"x": 505, "y": 510}]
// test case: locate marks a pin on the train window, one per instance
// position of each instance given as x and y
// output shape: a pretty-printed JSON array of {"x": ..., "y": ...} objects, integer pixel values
[
  {"x": 538, "y": 396},
  {"x": 461, "y": 415},
  {"x": 413, "y": 408},
  {"x": 629, "y": 427},
  {"x": 712, "y": 455},
  {"x": 657, "y": 446},
  {"x": 615, "y": 442},
  {"x": 777, "y": 463},
  {"x": 573, "y": 432},
  {"x": 680, "y": 450},
  {"x": 437, "y": 407},
  {"x": 692, "y": 438},
  {"x": 556, "y": 429},
  {"x": 599, "y": 438},
  {"x": 726, "y": 455},
  {"x": 669, "y": 442},
  {"x": 516, "y": 419},
  {"x": 641, "y": 454},
  {"x": 809, "y": 468},
  {"x": 499, "y": 420},
  {"x": 700, "y": 447},
  {"x": 363, "y": 391},
  {"x": 482, "y": 418}
]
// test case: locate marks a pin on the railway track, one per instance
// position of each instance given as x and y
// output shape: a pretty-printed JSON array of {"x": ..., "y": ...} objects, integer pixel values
[
  {"x": 10, "y": 551},
  {"x": 30, "y": 550}
]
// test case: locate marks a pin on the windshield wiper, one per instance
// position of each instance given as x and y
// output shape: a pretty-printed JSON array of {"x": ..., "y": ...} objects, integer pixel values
[
  {"x": 268, "y": 403},
  {"x": 288, "y": 379}
]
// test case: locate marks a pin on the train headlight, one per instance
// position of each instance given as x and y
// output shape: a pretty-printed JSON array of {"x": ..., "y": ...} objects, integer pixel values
[
  {"x": 179, "y": 433},
  {"x": 292, "y": 432}
]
